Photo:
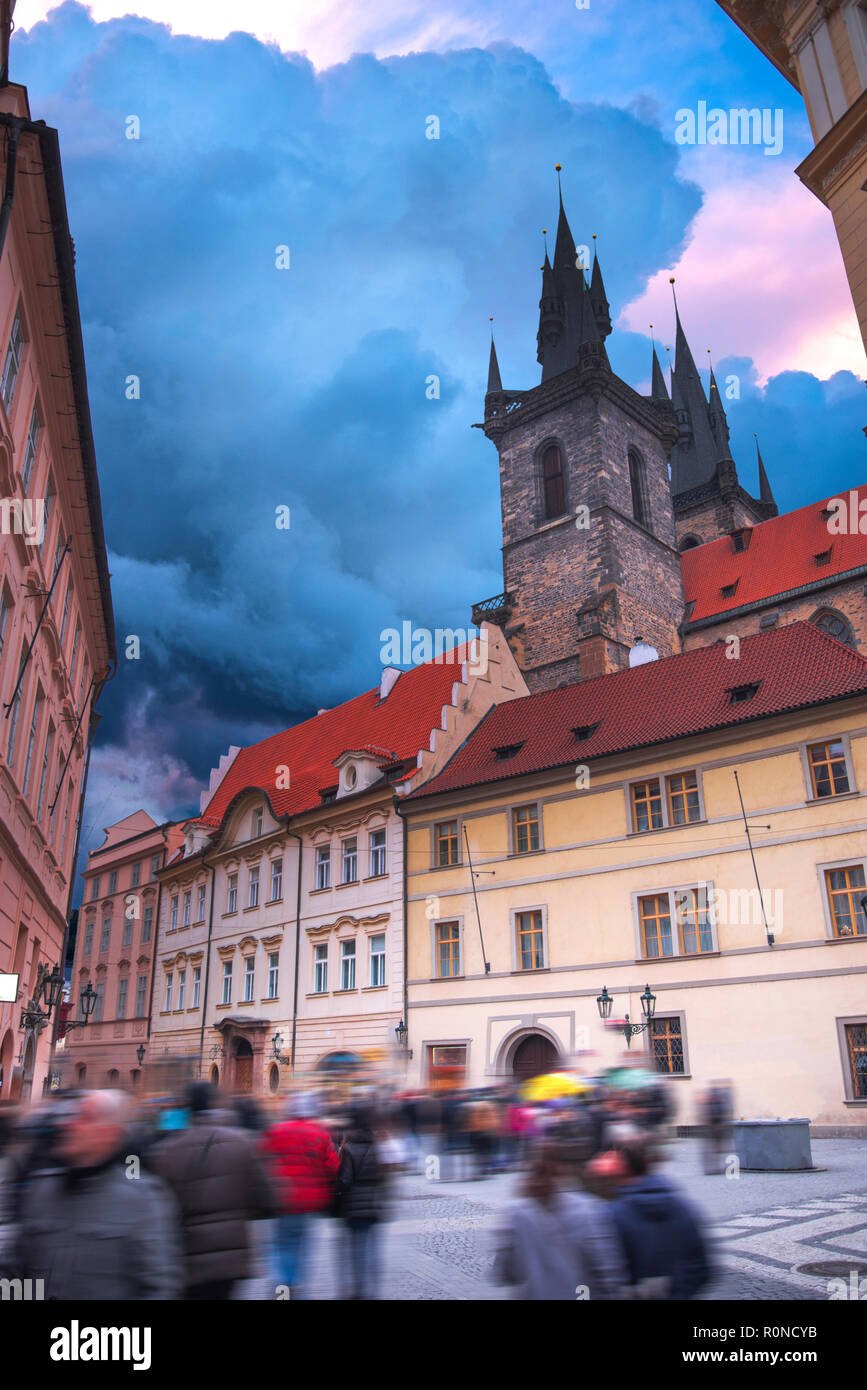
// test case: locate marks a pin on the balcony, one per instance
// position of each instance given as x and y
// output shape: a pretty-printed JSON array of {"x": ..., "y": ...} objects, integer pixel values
[{"x": 493, "y": 610}]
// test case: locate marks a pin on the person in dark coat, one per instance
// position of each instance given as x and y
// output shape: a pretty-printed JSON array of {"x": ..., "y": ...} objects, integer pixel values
[
  {"x": 660, "y": 1232},
  {"x": 361, "y": 1201},
  {"x": 221, "y": 1186},
  {"x": 91, "y": 1226}
]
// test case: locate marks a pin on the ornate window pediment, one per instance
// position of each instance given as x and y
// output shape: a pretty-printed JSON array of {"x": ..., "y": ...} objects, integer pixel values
[
  {"x": 142, "y": 961},
  {"x": 226, "y": 952},
  {"x": 247, "y": 945},
  {"x": 272, "y": 943}
]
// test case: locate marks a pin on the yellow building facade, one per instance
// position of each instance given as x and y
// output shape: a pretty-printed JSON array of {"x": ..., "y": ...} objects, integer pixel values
[{"x": 634, "y": 869}]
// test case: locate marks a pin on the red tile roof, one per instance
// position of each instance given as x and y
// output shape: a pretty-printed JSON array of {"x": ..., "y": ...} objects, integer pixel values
[
  {"x": 393, "y": 729},
  {"x": 794, "y": 666},
  {"x": 780, "y": 557}
]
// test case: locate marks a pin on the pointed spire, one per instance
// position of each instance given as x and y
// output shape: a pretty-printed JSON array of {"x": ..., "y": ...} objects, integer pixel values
[
  {"x": 494, "y": 382},
  {"x": 567, "y": 318},
  {"x": 765, "y": 493},
  {"x": 695, "y": 456},
  {"x": 598, "y": 298},
  {"x": 717, "y": 415},
  {"x": 658, "y": 389}
]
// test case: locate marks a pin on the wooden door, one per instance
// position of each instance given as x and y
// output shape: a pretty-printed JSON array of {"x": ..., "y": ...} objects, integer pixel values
[{"x": 534, "y": 1056}]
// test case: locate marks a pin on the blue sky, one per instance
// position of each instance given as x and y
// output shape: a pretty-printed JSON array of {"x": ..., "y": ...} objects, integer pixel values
[{"x": 305, "y": 387}]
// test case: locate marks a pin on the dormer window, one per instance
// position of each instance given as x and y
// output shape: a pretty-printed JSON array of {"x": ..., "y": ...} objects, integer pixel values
[
  {"x": 258, "y": 822},
  {"x": 823, "y": 558},
  {"x": 739, "y": 693},
  {"x": 351, "y": 776},
  {"x": 729, "y": 590},
  {"x": 507, "y": 751},
  {"x": 741, "y": 539},
  {"x": 584, "y": 731}
]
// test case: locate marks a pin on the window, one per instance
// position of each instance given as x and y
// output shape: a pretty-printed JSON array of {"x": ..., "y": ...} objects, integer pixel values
[
  {"x": 448, "y": 949},
  {"x": 31, "y": 741},
  {"x": 226, "y": 997},
  {"x": 693, "y": 921},
  {"x": 112, "y": 881},
  {"x": 30, "y": 448},
  {"x": 168, "y": 999},
  {"x": 377, "y": 960},
  {"x": 835, "y": 625},
  {"x": 105, "y": 938},
  {"x": 666, "y": 1046},
  {"x": 16, "y": 710},
  {"x": 646, "y": 805},
  {"x": 507, "y": 751},
  {"x": 188, "y": 902},
  {"x": 828, "y": 769},
  {"x": 320, "y": 969},
  {"x": 347, "y": 965},
  {"x": 638, "y": 487},
  {"x": 683, "y": 802},
  {"x": 446, "y": 842},
  {"x": 122, "y": 988},
  {"x": 141, "y": 995},
  {"x": 43, "y": 776},
  {"x": 99, "y": 1006},
  {"x": 377, "y": 853},
  {"x": 88, "y": 937},
  {"x": 200, "y": 903},
  {"x": 688, "y": 910},
  {"x": 323, "y": 866},
  {"x": 59, "y": 547},
  {"x": 156, "y": 865},
  {"x": 197, "y": 985},
  {"x": 12, "y": 364},
  {"x": 276, "y": 880},
  {"x": 823, "y": 558},
  {"x": 232, "y": 893},
  {"x": 258, "y": 821},
  {"x": 128, "y": 924},
  {"x": 94, "y": 888},
  {"x": 741, "y": 539},
  {"x": 856, "y": 1055},
  {"x": 531, "y": 947},
  {"x": 740, "y": 693},
  {"x": 846, "y": 887},
  {"x": 253, "y": 887},
  {"x": 182, "y": 988},
  {"x": 65, "y": 618},
  {"x": 135, "y": 876},
  {"x": 173, "y": 914},
  {"x": 249, "y": 978},
  {"x": 525, "y": 829},
  {"x": 729, "y": 590},
  {"x": 350, "y": 860},
  {"x": 553, "y": 483},
  {"x": 147, "y": 925},
  {"x": 273, "y": 974}
]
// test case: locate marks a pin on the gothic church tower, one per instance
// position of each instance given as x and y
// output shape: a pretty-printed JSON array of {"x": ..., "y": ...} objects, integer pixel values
[{"x": 590, "y": 555}]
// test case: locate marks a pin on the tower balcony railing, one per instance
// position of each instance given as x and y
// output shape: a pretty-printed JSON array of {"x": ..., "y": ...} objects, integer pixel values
[
  {"x": 503, "y": 403},
  {"x": 492, "y": 610}
]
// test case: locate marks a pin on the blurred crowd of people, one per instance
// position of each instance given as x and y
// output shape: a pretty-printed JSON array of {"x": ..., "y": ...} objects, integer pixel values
[{"x": 103, "y": 1197}]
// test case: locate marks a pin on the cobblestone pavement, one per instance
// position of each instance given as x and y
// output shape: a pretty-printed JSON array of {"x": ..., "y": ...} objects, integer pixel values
[{"x": 440, "y": 1242}]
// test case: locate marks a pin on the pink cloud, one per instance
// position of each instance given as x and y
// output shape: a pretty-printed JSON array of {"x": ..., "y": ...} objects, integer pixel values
[{"x": 762, "y": 277}]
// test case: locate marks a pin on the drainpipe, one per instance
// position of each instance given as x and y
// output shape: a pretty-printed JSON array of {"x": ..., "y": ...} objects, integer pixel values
[
  {"x": 213, "y": 874},
  {"x": 297, "y": 948},
  {"x": 405, "y": 1015},
  {"x": 155, "y": 939}
]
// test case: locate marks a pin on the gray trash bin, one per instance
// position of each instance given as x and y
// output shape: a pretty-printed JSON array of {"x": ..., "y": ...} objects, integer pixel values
[{"x": 773, "y": 1145}]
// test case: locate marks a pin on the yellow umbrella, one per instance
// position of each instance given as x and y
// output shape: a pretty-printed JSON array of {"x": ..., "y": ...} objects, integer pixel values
[{"x": 552, "y": 1085}]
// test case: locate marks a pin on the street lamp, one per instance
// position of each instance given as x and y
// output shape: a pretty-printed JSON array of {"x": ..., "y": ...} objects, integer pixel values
[
  {"x": 400, "y": 1033},
  {"x": 52, "y": 988},
  {"x": 140, "y": 1052},
  {"x": 629, "y": 1030},
  {"x": 87, "y": 1003},
  {"x": 276, "y": 1044}
]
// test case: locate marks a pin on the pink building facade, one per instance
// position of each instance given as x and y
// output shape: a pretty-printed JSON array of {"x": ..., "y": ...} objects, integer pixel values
[
  {"x": 114, "y": 953},
  {"x": 57, "y": 644}
]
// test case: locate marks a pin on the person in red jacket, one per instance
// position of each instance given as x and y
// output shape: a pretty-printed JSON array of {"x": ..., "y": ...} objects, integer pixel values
[{"x": 304, "y": 1165}]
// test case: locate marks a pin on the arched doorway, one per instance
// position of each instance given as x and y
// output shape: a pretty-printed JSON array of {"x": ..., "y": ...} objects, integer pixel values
[
  {"x": 533, "y": 1056},
  {"x": 215, "y": 1076},
  {"x": 6, "y": 1052},
  {"x": 243, "y": 1065},
  {"x": 113, "y": 1078}
]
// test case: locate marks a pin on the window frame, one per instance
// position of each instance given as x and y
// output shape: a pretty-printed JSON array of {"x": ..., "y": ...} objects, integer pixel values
[
  {"x": 804, "y": 750},
  {"x": 273, "y": 985},
  {"x": 513, "y": 836},
  {"x": 253, "y": 880},
  {"x": 322, "y": 859},
  {"x": 434, "y": 947},
  {"x": 197, "y": 986},
  {"x": 377, "y": 955},
  {"x": 345, "y": 858},
  {"x": 844, "y": 1022},
  {"x": 346, "y": 957},
  {"x": 276, "y": 880},
  {"x": 560, "y": 476},
  {"x": 201, "y": 901},
  {"x": 16, "y": 354},
  {"x": 680, "y": 1015},
  {"x": 376, "y": 850},
  {"x": 141, "y": 995},
  {"x": 664, "y": 779},
  {"x": 434, "y": 842},
  {"x": 231, "y": 895},
  {"x": 850, "y": 862},
  {"x": 226, "y": 978},
  {"x": 320, "y": 946},
  {"x": 249, "y": 992},
  {"x": 671, "y": 892},
  {"x": 514, "y": 914}
]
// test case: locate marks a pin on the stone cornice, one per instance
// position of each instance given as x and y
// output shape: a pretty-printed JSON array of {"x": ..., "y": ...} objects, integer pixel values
[
  {"x": 832, "y": 158},
  {"x": 540, "y": 401}
]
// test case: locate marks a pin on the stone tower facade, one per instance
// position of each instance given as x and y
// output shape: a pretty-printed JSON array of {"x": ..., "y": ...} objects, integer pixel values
[{"x": 590, "y": 557}]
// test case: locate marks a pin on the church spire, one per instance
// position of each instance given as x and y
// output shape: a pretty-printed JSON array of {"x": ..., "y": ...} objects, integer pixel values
[
  {"x": 566, "y": 310},
  {"x": 765, "y": 493},
  {"x": 658, "y": 389},
  {"x": 494, "y": 382},
  {"x": 598, "y": 298},
  {"x": 696, "y": 454}
]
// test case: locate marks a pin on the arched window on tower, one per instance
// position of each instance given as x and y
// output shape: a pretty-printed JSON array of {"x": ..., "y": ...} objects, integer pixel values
[
  {"x": 638, "y": 484},
  {"x": 689, "y": 542},
  {"x": 553, "y": 482},
  {"x": 835, "y": 625}
]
